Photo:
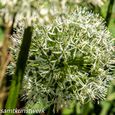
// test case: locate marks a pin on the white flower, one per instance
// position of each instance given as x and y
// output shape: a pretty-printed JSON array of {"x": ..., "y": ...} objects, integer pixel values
[
  {"x": 67, "y": 60},
  {"x": 22, "y": 9}
]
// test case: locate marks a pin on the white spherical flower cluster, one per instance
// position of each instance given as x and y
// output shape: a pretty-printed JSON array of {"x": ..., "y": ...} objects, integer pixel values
[
  {"x": 69, "y": 61},
  {"x": 44, "y": 11},
  {"x": 20, "y": 9}
]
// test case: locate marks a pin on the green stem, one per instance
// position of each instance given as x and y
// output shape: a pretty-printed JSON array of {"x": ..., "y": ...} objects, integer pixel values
[
  {"x": 19, "y": 72},
  {"x": 109, "y": 12}
]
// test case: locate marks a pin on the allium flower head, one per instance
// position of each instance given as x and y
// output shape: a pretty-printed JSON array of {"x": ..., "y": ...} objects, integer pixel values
[
  {"x": 69, "y": 60},
  {"x": 23, "y": 9},
  {"x": 41, "y": 10}
]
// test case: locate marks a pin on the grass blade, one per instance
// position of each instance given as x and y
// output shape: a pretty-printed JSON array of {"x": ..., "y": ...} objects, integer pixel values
[{"x": 20, "y": 68}]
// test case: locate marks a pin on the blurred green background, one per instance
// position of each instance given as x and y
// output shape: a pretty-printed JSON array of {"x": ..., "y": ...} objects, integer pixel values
[{"x": 112, "y": 22}]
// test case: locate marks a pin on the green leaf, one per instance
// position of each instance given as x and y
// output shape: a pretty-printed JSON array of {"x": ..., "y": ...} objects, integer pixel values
[{"x": 19, "y": 72}]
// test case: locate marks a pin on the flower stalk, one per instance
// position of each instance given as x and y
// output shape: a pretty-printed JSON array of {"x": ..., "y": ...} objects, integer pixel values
[
  {"x": 109, "y": 12},
  {"x": 5, "y": 58}
]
